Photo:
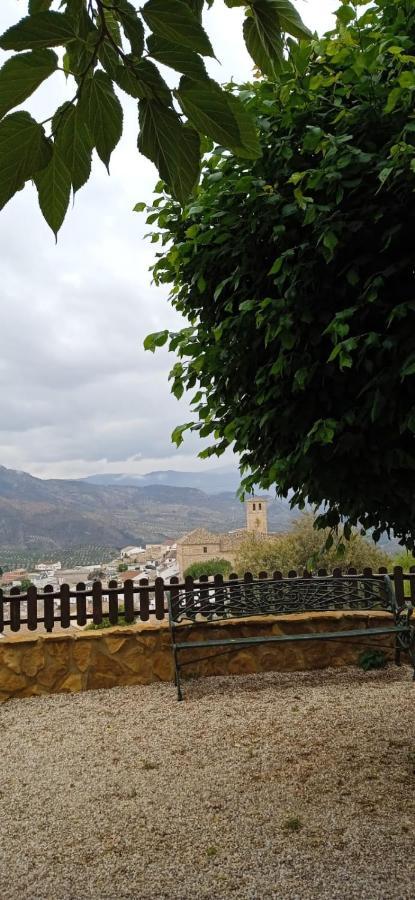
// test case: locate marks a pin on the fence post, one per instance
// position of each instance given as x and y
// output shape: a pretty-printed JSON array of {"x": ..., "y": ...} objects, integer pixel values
[
  {"x": 144, "y": 600},
  {"x": 129, "y": 600},
  {"x": 248, "y": 592},
  {"x": 48, "y": 608},
  {"x": 174, "y": 597},
  {"x": 219, "y": 595},
  {"x": 204, "y": 595},
  {"x": 80, "y": 603},
  {"x": 234, "y": 592},
  {"x": 113, "y": 601},
  {"x": 159, "y": 597},
  {"x": 97, "y": 603},
  {"x": 399, "y": 585},
  {"x": 189, "y": 595},
  {"x": 14, "y": 609},
  {"x": 412, "y": 584},
  {"x": 65, "y": 604},
  {"x": 32, "y": 607}
]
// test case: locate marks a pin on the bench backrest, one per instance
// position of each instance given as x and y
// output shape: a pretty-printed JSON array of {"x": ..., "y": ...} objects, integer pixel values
[{"x": 237, "y": 599}]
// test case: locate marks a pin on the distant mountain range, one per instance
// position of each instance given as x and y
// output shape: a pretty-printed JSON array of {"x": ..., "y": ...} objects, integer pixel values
[
  {"x": 214, "y": 481},
  {"x": 42, "y": 514}
]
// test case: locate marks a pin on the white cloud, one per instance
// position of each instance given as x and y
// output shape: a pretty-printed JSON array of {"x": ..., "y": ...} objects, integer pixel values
[{"x": 78, "y": 394}]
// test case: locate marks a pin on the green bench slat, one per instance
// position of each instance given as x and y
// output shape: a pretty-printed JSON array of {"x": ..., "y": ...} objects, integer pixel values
[{"x": 312, "y": 636}]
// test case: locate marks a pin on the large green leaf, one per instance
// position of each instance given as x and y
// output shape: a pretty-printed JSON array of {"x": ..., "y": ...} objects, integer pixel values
[
  {"x": 207, "y": 107},
  {"x": 132, "y": 26},
  {"x": 46, "y": 29},
  {"x": 175, "y": 21},
  {"x": 24, "y": 150},
  {"x": 143, "y": 80},
  {"x": 36, "y": 6},
  {"x": 22, "y": 74},
  {"x": 108, "y": 58},
  {"x": 269, "y": 65},
  {"x": 173, "y": 147},
  {"x": 112, "y": 26},
  {"x": 179, "y": 58},
  {"x": 197, "y": 7},
  {"x": 268, "y": 31},
  {"x": 249, "y": 146},
  {"x": 76, "y": 10},
  {"x": 290, "y": 20},
  {"x": 54, "y": 188},
  {"x": 74, "y": 144},
  {"x": 102, "y": 112}
]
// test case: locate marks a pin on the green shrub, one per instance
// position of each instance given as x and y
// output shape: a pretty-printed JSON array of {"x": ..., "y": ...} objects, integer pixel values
[
  {"x": 92, "y": 626},
  {"x": 372, "y": 659},
  {"x": 292, "y": 824},
  {"x": 209, "y": 567}
]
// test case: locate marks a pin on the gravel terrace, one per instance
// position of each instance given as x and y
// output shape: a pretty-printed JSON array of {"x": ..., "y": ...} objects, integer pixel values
[{"x": 277, "y": 785}]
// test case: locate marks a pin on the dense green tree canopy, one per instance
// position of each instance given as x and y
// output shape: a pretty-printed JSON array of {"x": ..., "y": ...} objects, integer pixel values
[
  {"x": 107, "y": 44},
  {"x": 303, "y": 548},
  {"x": 296, "y": 273},
  {"x": 209, "y": 567}
]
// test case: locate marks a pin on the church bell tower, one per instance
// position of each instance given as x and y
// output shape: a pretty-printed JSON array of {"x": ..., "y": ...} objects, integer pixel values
[{"x": 256, "y": 515}]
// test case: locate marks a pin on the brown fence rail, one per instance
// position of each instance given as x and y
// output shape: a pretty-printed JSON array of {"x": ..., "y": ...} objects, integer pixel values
[{"x": 130, "y": 602}]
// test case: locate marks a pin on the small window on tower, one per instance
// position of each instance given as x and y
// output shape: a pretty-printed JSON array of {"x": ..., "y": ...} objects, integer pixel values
[
  {"x": 253, "y": 506},
  {"x": 204, "y": 549},
  {"x": 259, "y": 506}
]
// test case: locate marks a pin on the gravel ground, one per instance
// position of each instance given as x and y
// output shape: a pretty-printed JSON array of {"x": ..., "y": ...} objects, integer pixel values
[{"x": 277, "y": 785}]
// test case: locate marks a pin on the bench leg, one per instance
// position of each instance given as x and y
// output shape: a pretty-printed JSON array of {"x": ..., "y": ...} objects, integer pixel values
[
  {"x": 397, "y": 652},
  {"x": 412, "y": 650},
  {"x": 177, "y": 675}
]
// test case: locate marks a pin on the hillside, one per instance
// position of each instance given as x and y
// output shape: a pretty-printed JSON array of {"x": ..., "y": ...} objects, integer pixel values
[{"x": 50, "y": 514}]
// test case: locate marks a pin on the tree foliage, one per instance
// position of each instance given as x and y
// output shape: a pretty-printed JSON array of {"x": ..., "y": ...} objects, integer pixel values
[
  {"x": 296, "y": 273},
  {"x": 25, "y": 583},
  {"x": 209, "y": 567},
  {"x": 304, "y": 548},
  {"x": 404, "y": 559},
  {"x": 111, "y": 45}
]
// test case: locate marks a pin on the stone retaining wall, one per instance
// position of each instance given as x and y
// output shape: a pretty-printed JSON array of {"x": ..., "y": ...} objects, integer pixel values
[{"x": 32, "y": 664}]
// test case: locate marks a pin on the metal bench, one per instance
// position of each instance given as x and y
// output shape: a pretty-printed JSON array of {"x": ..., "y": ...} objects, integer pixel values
[{"x": 211, "y": 603}]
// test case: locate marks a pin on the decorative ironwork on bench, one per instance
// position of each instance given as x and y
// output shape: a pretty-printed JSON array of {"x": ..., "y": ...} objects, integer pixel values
[{"x": 236, "y": 599}]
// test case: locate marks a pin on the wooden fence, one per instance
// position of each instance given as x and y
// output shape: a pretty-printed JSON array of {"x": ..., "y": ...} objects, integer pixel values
[{"x": 132, "y": 602}]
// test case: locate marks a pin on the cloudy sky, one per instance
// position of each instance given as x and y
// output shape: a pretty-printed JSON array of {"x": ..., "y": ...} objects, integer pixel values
[{"x": 78, "y": 394}]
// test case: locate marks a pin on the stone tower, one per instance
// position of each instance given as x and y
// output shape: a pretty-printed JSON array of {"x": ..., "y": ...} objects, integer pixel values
[{"x": 256, "y": 515}]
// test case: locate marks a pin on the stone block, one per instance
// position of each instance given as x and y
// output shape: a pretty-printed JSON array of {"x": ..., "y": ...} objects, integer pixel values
[
  {"x": 10, "y": 682},
  {"x": 57, "y": 662},
  {"x": 10, "y": 656},
  {"x": 82, "y": 654},
  {"x": 32, "y": 690},
  {"x": 135, "y": 661},
  {"x": 162, "y": 665},
  {"x": 106, "y": 664},
  {"x": 32, "y": 659},
  {"x": 114, "y": 643},
  {"x": 97, "y": 679},
  {"x": 242, "y": 663},
  {"x": 72, "y": 682}
]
